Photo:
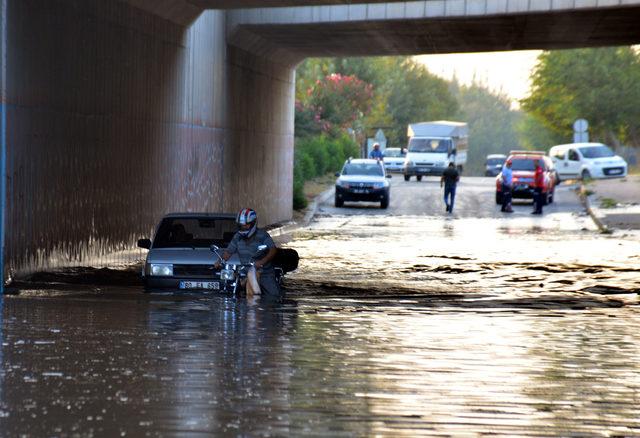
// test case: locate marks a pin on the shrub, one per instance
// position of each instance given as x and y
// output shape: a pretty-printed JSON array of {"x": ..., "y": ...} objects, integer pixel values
[
  {"x": 317, "y": 156},
  {"x": 299, "y": 200}
]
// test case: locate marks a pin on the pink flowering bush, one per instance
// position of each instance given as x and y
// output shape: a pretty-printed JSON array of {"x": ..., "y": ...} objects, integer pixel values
[{"x": 338, "y": 101}]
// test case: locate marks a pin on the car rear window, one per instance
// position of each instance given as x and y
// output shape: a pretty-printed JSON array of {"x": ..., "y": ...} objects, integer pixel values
[
  {"x": 522, "y": 164},
  {"x": 194, "y": 232},
  {"x": 527, "y": 164}
]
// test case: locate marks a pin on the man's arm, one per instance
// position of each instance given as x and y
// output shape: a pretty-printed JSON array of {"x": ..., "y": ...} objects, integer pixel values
[
  {"x": 230, "y": 250},
  {"x": 267, "y": 258}
]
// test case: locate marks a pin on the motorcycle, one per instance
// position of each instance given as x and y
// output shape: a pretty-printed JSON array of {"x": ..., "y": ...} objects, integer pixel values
[{"x": 234, "y": 274}]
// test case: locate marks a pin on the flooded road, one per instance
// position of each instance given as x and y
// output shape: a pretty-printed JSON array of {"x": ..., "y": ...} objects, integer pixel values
[{"x": 394, "y": 325}]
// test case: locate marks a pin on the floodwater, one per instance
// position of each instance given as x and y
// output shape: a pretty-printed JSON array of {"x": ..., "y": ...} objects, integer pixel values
[{"x": 392, "y": 326}]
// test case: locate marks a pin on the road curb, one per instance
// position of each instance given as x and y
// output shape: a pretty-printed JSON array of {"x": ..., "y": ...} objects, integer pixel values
[
  {"x": 313, "y": 206},
  {"x": 584, "y": 197},
  {"x": 311, "y": 211}
]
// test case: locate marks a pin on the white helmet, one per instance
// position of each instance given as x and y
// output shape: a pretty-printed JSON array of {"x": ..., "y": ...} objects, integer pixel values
[{"x": 247, "y": 216}]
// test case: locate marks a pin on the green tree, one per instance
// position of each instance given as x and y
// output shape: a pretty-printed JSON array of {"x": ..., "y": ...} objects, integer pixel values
[
  {"x": 601, "y": 85},
  {"x": 403, "y": 91},
  {"x": 492, "y": 124},
  {"x": 412, "y": 94}
]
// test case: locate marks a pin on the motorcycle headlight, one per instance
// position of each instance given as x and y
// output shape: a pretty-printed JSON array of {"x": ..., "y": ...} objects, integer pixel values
[
  {"x": 161, "y": 269},
  {"x": 226, "y": 274}
]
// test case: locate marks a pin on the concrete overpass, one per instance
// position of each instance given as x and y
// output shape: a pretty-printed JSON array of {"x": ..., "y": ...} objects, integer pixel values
[{"x": 115, "y": 112}]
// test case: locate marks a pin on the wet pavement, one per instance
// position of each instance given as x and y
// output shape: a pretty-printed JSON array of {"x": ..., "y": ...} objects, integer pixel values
[{"x": 395, "y": 324}]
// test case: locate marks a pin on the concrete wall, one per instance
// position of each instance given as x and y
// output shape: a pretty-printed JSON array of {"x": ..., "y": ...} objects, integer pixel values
[
  {"x": 114, "y": 117},
  {"x": 261, "y": 111}
]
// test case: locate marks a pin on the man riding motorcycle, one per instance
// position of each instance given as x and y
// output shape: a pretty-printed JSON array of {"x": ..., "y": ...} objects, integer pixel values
[{"x": 261, "y": 277}]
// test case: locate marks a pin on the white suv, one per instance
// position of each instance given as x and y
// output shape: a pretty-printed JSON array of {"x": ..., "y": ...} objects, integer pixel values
[{"x": 587, "y": 160}]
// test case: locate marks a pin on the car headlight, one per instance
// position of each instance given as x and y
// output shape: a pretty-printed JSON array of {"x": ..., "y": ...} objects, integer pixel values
[
  {"x": 440, "y": 163},
  {"x": 379, "y": 185},
  {"x": 343, "y": 184},
  {"x": 226, "y": 274},
  {"x": 161, "y": 269}
]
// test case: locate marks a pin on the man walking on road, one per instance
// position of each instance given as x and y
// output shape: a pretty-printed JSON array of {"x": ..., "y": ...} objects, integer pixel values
[
  {"x": 538, "y": 186},
  {"x": 450, "y": 178},
  {"x": 507, "y": 186}
]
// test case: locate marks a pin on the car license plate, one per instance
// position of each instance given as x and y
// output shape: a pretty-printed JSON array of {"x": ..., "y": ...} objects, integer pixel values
[
  {"x": 361, "y": 191},
  {"x": 615, "y": 171},
  {"x": 200, "y": 285}
]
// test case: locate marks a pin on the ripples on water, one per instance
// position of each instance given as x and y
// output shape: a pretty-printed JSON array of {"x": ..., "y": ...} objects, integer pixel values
[{"x": 446, "y": 336}]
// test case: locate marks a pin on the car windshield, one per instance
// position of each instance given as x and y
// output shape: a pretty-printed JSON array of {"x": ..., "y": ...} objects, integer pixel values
[
  {"x": 194, "y": 232},
  {"x": 495, "y": 161},
  {"x": 596, "y": 152},
  {"x": 393, "y": 153},
  {"x": 370, "y": 169},
  {"x": 436, "y": 145}
]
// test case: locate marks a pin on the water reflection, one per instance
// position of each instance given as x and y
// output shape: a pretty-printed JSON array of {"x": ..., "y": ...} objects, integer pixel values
[{"x": 465, "y": 330}]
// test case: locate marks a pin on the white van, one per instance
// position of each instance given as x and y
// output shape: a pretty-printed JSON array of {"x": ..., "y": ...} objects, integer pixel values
[
  {"x": 587, "y": 160},
  {"x": 432, "y": 145}
]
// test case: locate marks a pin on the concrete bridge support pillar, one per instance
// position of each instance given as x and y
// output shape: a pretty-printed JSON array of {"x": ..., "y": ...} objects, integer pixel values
[
  {"x": 260, "y": 148},
  {"x": 114, "y": 117}
]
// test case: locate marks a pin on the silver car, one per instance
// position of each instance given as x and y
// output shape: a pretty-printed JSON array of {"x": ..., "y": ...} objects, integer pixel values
[{"x": 180, "y": 254}]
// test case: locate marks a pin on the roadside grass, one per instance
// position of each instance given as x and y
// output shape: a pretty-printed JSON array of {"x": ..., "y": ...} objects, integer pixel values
[
  {"x": 633, "y": 170},
  {"x": 608, "y": 203},
  {"x": 316, "y": 186},
  {"x": 313, "y": 188}
]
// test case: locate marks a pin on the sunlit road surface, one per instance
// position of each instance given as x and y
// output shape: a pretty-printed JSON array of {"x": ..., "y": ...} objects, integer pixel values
[{"x": 397, "y": 324}]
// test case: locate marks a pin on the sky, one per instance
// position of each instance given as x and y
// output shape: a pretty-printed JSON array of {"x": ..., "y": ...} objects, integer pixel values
[{"x": 499, "y": 71}]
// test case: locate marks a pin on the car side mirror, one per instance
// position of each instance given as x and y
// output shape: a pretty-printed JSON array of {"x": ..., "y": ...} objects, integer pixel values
[
  {"x": 144, "y": 243},
  {"x": 337, "y": 173},
  {"x": 454, "y": 151},
  {"x": 388, "y": 176}
]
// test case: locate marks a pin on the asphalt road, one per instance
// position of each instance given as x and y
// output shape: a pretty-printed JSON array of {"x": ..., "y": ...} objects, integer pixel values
[{"x": 475, "y": 197}]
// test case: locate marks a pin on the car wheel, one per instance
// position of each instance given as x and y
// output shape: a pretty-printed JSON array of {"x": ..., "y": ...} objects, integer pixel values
[
  {"x": 407, "y": 177},
  {"x": 586, "y": 175},
  {"x": 339, "y": 202},
  {"x": 384, "y": 203},
  {"x": 419, "y": 177},
  {"x": 498, "y": 198}
]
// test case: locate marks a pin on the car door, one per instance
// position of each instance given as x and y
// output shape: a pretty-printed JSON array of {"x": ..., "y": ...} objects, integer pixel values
[{"x": 568, "y": 165}]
